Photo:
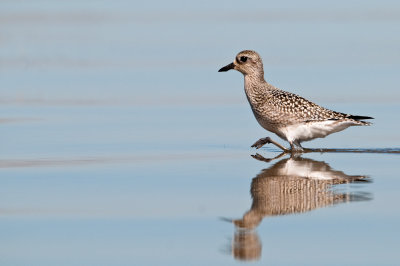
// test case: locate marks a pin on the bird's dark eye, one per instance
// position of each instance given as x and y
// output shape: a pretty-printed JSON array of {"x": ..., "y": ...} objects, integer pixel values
[{"x": 243, "y": 59}]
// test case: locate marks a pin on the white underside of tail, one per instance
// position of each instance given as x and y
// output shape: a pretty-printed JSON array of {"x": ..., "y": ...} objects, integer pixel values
[{"x": 311, "y": 130}]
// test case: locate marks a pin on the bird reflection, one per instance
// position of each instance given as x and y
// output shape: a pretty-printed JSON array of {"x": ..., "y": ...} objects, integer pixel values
[{"x": 293, "y": 185}]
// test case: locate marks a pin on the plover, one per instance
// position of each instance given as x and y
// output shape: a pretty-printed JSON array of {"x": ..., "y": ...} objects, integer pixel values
[{"x": 288, "y": 115}]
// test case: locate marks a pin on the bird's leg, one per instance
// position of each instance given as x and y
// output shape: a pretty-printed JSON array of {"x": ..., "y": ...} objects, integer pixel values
[
  {"x": 295, "y": 147},
  {"x": 261, "y": 142}
]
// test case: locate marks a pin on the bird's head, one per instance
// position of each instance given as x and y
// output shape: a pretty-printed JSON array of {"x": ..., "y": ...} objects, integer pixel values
[{"x": 247, "y": 62}]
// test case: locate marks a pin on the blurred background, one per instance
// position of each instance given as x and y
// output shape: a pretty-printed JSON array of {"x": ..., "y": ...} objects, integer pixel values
[{"x": 111, "y": 52}]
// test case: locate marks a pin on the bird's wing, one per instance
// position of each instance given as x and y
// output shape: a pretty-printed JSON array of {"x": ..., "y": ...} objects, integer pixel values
[{"x": 303, "y": 110}]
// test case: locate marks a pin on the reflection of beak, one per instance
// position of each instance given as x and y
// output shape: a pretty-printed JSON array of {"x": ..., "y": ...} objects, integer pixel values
[{"x": 226, "y": 68}]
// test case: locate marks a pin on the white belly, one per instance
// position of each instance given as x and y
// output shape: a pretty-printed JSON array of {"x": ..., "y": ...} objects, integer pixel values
[{"x": 311, "y": 130}]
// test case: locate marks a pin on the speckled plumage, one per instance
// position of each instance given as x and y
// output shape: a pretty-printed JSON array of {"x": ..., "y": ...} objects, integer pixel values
[{"x": 288, "y": 115}]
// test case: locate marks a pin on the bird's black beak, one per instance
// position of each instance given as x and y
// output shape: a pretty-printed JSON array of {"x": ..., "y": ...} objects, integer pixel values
[{"x": 226, "y": 68}]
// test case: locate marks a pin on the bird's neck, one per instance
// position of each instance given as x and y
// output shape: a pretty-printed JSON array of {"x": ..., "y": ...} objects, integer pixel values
[
  {"x": 256, "y": 83},
  {"x": 254, "y": 79}
]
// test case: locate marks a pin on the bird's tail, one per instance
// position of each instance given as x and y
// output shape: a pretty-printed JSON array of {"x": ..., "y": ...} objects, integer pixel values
[{"x": 359, "y": 119}]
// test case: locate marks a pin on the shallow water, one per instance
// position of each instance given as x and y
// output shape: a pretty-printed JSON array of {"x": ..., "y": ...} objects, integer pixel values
[{"x": 121, "y": 144}]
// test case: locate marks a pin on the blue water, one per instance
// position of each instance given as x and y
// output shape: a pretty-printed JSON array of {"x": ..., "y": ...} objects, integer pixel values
[{"x": 121, "y": 144}]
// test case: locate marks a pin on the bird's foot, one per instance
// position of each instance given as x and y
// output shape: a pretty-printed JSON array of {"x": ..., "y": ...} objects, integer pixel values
[
  {"x": 295, "y": 149},
  {"x": 261, "y": 142}
]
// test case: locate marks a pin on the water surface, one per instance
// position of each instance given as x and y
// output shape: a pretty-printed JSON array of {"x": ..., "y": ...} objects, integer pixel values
[{"x": 121, "y": 144}]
